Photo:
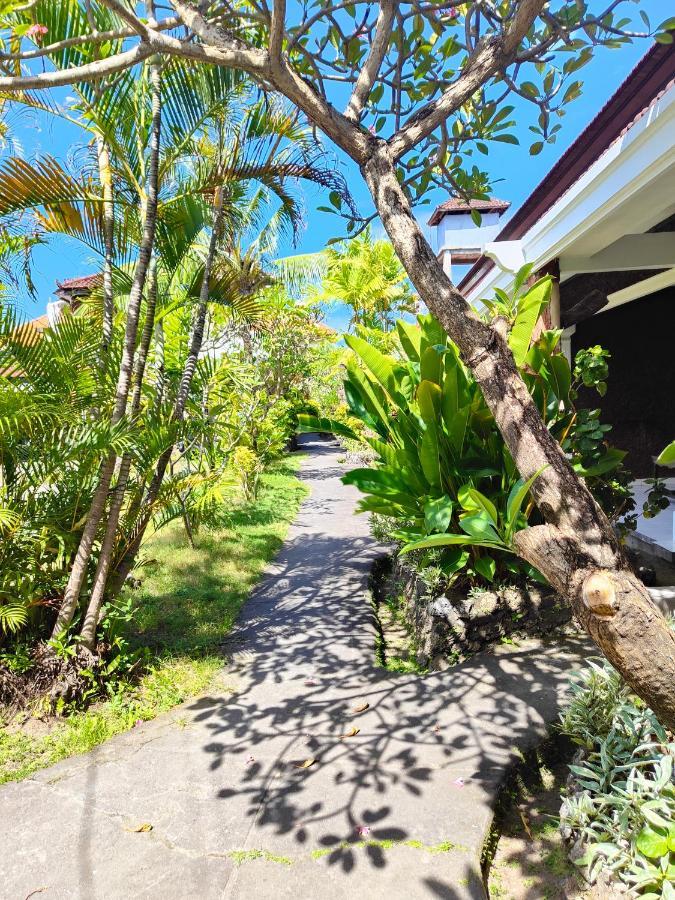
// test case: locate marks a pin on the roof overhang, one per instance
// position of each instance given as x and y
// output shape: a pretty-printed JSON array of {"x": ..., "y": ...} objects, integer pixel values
[{"x": 598, "y": 221}]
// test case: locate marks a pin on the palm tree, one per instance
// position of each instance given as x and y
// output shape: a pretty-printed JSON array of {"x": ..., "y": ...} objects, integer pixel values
[
  {"x": 190, "y": 174},
  {"x": 366, "y": 275}
]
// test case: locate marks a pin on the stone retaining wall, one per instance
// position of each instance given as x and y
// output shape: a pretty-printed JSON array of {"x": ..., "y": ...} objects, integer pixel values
[{"x": 453, "y": 625}]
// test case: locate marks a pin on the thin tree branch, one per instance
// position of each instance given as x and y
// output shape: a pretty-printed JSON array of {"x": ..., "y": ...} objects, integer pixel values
[
  {"x": 369, "y": 72},
  {"x": 489, "y": 57}
]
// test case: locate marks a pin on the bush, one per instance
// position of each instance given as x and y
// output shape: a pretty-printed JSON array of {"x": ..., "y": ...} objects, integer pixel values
[{"x": 621, "y": 811}]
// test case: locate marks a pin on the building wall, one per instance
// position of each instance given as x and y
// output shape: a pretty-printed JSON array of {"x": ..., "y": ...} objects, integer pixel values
[{"x": 640, "y": 399}]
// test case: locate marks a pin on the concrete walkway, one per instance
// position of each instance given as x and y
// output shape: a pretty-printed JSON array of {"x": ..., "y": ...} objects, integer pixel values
[{"x": 399, "y": 809}]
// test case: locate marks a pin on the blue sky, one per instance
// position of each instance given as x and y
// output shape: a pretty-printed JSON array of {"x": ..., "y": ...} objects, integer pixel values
[{"x": 515, "y": 172}]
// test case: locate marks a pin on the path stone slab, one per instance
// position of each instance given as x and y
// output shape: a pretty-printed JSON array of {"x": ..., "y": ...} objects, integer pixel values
[{"x": 399, "y": 809}]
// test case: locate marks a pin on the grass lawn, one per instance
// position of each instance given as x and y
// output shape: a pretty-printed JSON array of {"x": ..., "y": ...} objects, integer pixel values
[{"x": 187, "y": 602}]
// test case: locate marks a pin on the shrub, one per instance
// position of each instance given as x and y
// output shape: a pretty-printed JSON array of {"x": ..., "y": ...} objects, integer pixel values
[{"x": 621, "y": 811}]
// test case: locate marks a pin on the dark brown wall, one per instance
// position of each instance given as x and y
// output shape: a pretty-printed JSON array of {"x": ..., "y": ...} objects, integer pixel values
[{"x": 640, "y": 400}]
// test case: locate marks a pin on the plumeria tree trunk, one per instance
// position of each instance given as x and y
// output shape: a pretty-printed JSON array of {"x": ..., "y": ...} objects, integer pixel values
[
  {"x": 78, "y": 572},
  {"x": 577, "y": 550}
]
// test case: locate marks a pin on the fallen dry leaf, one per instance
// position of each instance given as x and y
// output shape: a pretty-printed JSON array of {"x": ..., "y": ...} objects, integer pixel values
[
  {"x": 351, "y": 733},
  {"x": 359, "y": 709},
  {"x": 143, "y": 828},
  {"x": 306, "y": 764}
]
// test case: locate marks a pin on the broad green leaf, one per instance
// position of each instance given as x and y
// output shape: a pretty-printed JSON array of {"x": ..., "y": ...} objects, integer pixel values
[
  {"x": 454, "y": 560},
  {"x": 381, "y": 366},
  {"x": 450, "y": 540},
  {"x": 429, "y": 459},
  {"x": 561, "y": 376},
  {"x": 437, "y": 514},
  {"x": 652, "y": 843},
  {"x": 480, "y": 526},
  {"x": 517, "y": 496},
  {"x": 307, "y": 423},
  {"x": 472, "y": 499},
  {"x": 529, "y": 310},
  {"x": 431, "y": 365},
  {"x": 609, "y": 461},
  {"x": 429, "y": 402},
  {"x": 667, "y": 456},
  {"x": 486, "y": 566}
]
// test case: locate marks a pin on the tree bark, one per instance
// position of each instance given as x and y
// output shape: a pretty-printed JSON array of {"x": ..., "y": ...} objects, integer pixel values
[
  {"x": 577, "y": 550},
  {"x": 78, "y": 571}
]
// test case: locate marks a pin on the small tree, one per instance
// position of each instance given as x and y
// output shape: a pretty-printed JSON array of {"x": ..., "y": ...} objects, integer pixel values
[{"x": 428, "y": 82}]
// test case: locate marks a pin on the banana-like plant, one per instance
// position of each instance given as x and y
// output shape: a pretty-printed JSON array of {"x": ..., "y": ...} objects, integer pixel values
[{"x": 443, "y": 473}]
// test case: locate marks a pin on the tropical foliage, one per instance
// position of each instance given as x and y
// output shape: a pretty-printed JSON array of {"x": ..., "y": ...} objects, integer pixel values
[
  {"x": 621, "y": 808},
  {"x": 167, "y": 391},
  {"x": 443, "y": 473}
]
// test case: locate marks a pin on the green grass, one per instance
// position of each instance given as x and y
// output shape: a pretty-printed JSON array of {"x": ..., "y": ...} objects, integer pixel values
[{"x": 188, "y": 601}]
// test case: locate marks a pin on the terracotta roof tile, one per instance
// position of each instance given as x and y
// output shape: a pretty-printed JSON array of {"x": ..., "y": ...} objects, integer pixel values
[
  {"x": 82, "y": 283},
  {"x": 456, "y": 205}
]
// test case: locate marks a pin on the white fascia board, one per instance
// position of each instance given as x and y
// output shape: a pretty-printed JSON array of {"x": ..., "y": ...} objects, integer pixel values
[{"x": 624, "y": 169}]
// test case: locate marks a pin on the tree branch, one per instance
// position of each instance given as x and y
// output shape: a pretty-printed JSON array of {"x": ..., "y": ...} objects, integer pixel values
[
  {"x": 277, "y": 30},
  {"x": 87, "y": 72},
  {"x": 132, "y": 21},
  {"x": 369, "y": 72},
  {"x": 487, "y": 59}
]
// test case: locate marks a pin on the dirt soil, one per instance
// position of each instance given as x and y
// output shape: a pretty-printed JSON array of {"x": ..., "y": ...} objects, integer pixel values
[{"x": 530, "y": 860}]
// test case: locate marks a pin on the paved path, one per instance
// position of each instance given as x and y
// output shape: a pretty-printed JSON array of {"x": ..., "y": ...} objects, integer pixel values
[{"x": 399, "y": 810}]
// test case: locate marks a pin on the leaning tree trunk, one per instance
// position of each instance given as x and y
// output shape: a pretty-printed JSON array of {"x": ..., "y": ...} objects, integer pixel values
[
  {"x": 78, "y": 571},
  {"x": 127, "y": 562},
  {"x": 577, "y": 550},
  {"x": 91, "y": 618}
]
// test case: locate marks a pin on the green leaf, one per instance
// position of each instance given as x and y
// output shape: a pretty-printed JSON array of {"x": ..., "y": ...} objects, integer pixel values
[
  {"x": 449, "y": 540},
  {"x": 667, "y": 456},
  {"x": 517, "y": 496},
  {"x": 561, "y": 376},
  {"x": 472, "y": 499},
  {"x": 437, "y": 514},
  {"x": 410, "y": 338},
  {"x": 431, "y": 365},
  {"x": 307, "y": 423},
  {"x": 609, "y": 461},
  {"x": 486, "y": 566},
  {"x": 480, "y": 526},
  {"x": 381, "y": 366},
  {"x": 652, "y": 843},
  {"x": 429, "y": 459},
  {"x": 454, "y": 560},
  {"x": 529, "y": 310}
]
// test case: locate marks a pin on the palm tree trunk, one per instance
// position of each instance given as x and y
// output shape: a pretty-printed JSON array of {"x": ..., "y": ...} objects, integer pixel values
[
  {"x": 78, "y": 571},
  {"x": 88, "y": 631},
  {"x": 128, "y": 560},
  {"x": 105, "y": 177}
]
